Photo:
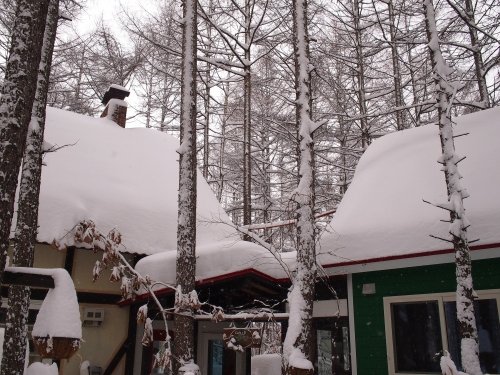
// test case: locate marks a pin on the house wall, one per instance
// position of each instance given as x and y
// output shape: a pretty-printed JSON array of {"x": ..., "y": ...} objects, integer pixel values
[
  {"x": 369, "y": 311},
  {"x": 99, "y": 343}
]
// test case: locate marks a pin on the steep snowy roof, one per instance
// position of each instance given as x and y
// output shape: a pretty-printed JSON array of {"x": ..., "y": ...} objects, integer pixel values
[
  {"x": 124, "y": 178},
  {"x": 382, "y": 214}
]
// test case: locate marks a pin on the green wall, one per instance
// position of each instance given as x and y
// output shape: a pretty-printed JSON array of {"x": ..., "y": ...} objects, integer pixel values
[{"x": 369, "y": 310}]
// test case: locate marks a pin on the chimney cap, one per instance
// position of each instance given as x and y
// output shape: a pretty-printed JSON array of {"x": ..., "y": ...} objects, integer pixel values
[{"x": 115, "y": 92}]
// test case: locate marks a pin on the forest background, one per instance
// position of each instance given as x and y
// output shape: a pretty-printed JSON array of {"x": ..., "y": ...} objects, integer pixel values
[{"x": 371, "y": 75}]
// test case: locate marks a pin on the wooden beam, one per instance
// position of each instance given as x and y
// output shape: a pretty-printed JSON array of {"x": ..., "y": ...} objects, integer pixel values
[{"x": 27, "y": 279}]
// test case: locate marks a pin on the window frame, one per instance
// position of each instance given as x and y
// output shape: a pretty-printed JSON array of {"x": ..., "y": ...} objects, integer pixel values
[{"x": 440, "y": 298}]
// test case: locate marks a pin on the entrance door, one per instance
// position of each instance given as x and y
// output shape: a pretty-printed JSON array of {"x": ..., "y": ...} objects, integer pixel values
[{"x": 215, "y": 359}]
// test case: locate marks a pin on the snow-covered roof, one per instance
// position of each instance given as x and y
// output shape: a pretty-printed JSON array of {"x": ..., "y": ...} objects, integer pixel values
[
  {"x": 124, "y": 178},
  {"x": 382, "y": 214},
  {"x": 215, "y": 260}
]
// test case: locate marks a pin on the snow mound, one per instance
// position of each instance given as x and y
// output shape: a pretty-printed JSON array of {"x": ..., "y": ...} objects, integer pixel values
[
  {"x": 266, "y": 364},
  {"x": 38, "y": 368}
]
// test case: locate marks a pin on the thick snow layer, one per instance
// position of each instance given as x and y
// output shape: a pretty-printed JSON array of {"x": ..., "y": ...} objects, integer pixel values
[
  {"x": 124, "y": 178},
  {"x": 266, "y": 364},
  {"x": 59, "y": 315},
  {"x": 213, "y": 260},
  {"x": 38, "y": 368},
  {"x": 383, "y": 213}
]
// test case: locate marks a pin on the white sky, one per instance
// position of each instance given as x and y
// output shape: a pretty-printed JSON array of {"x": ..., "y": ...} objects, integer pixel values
[{"x": 110, "y": 11}]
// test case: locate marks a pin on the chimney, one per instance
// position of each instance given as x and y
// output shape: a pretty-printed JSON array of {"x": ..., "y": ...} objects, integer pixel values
[{"x": 116, "y": 106}]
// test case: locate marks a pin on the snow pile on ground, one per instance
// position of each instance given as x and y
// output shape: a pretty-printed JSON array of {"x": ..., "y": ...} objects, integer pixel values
[
  {"x": 266, "y": 364},
  {"x": 84, "y": 368},
  {"x": 124, "y": 178},
  {"x": 383, "y": 214},
  {"x": 59, "y": 315},
  {"x": 189, "y": 369},
  {"x": 38, "y": 368}
]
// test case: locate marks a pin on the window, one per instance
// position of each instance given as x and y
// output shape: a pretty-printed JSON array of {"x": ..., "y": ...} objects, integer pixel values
[{"x": 419, "y": 327}]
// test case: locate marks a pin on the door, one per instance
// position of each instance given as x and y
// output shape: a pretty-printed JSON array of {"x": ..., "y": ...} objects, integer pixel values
[{"x": 215, "y": 359}]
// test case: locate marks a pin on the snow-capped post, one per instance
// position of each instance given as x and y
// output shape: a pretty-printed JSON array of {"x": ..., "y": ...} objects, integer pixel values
[
  {"x": 16, "y": 101},
  {"x": 57, "y": 331},
  {"x": 185, "y": 296},
  {"x": 444, "y": 92},
  {"x": 27, "y": 213},
  {"x": 297, "y": 346}
]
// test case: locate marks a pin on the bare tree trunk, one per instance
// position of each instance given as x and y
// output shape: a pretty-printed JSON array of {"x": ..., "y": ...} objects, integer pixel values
[
  {"x": 247, "y": 127},
  {"x": 456, "y": 195},
  {"x": 222, "y": 149},
  {"x": 298, "y": 341},
  {"x": 478, "y": 57},
  {"x": 360, "y": 75},
  {"x": 206, "y": 135},
  {"x": 186, "y": 225},
  {"x": 16, "y": 333},
  {"x": 16, "y": 101},
  {"x": 396, "y": 69}
]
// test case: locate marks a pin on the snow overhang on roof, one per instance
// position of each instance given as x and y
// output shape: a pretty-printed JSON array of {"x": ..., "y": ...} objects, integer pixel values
[{"x": 383, "y": 216}]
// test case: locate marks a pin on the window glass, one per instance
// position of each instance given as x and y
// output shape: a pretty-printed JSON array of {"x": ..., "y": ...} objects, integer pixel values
[
  {"x": 417, "y": 336},
  {"x": 488, "y": 328}
]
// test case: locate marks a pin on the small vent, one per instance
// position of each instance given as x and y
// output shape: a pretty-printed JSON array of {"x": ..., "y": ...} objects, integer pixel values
[{"x": 93, "y": 317}]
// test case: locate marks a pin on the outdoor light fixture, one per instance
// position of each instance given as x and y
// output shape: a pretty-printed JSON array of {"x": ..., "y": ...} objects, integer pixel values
[{"x": 368, "y": 289}]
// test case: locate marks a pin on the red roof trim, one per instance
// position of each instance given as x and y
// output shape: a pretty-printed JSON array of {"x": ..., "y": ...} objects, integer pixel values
[
  {"x": 251, "y": 271},
  {"x": 407, "y": 256}
]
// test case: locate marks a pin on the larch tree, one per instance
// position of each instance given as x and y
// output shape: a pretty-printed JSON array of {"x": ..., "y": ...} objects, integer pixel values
[
  {"x": 27, "y": 214},
  {"x": 185, "y": 297},
  {"x": 16, "y": 101},
  {"x": 444, "y": 93},
  {"x": 298, "y": 341}
]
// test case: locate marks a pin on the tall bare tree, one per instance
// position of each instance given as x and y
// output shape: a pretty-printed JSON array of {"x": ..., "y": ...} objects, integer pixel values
[
  {"x": 298, "y": 341},
  {"x": 16, "y": 333},
  {"x": 186, "y": 224},
  {"x": 456, "y": 194},
  {"x": 16, "y": 101}
]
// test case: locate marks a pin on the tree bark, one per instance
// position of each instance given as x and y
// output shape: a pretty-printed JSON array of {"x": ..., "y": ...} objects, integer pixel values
[
  {"x": 396, "y": 69},
  {"x": 186, "y": 226},
  {"x": 478, "y": 56},
  {"x": 298, "y": 341},
  {"x": 26, "y": 229},
  {"x": 456, "y": 194},
  {"x": 360, "y": 75},
  {"x": 16, "y": 101},
  {"x": 247, "y": 127}
]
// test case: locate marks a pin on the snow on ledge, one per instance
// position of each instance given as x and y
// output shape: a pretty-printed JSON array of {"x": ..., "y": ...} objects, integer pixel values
[{"x": 59, "y": 315}]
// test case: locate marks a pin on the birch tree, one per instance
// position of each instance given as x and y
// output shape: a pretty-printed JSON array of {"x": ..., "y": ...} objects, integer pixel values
[
  {"x": 456, "y": 194},
  {"x": 298, "y": 340},
  {"x": 185, "y": 296},
  {"x": 14, "y": 350},
  {"x": 16, "y": 101}
]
